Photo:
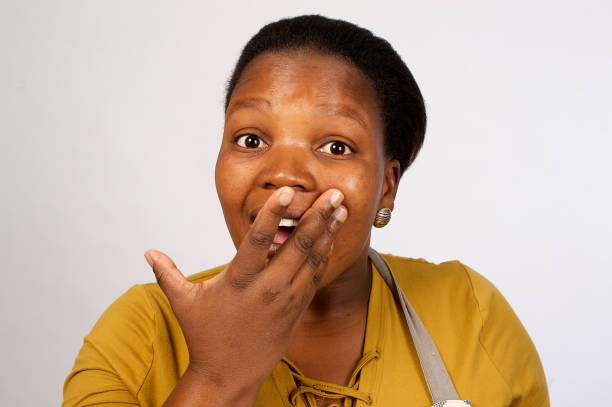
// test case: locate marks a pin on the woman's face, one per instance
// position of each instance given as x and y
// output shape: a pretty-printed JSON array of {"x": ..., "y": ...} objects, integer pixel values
[{"x": 311, "y": 122}]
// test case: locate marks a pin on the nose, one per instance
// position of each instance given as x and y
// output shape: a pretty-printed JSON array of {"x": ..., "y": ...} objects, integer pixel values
[{"x": 288, "y": 166}]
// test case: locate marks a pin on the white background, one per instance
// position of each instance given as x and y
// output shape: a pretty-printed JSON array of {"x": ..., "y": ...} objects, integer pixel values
[{"x": 111, "y": 116}]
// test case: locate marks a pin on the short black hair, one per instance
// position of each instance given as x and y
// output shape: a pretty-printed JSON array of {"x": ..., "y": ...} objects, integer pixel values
[{"x": 399, "y": 97}]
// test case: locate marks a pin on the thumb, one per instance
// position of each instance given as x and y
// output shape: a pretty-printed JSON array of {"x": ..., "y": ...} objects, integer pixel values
[{"x": 168, "y": 276}]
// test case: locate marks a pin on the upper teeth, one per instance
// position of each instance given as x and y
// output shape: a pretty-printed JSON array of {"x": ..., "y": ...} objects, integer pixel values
[{"x": 288, "y": 222}]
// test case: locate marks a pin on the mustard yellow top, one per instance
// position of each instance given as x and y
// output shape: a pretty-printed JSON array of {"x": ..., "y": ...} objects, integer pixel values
[{"x": 136, "y": 352}]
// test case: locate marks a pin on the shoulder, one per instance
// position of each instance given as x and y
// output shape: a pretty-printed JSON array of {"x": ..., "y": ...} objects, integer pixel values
[
  {"x": 142, "y": 305},
  {"x": 451, "y": 280},
  {"x": 455, "y": 301},
  {"x": 115, "y": 357},
  {"x": 138, "y": 309},
  {"x": 442, "y": 294},
  {"x": 136, "y": 332},
  {"x": 135, "y": 303}
]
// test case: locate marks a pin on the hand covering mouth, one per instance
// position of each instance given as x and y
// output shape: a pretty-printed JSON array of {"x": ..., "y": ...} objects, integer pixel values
[{"x": 286, "y": 226}]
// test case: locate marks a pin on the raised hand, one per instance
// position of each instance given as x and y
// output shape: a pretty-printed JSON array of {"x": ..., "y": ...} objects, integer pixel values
[{"x": 239, "y": 324}]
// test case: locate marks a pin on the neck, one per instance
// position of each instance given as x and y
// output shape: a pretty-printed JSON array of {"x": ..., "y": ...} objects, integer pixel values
[{"x": 346, "y": 296}]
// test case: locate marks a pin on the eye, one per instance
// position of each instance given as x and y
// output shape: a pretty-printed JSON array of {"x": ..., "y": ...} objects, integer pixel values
[
  {"x": 250, "y": 141},
  {"x": 336, "y": 148}
]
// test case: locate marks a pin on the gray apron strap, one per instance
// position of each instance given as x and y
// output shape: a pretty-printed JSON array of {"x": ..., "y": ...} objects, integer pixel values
[{"x": 440, "y": 386}]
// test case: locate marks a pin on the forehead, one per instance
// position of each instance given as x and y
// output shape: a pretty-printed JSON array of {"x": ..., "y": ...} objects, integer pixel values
[{"x": 302, "y": 77}]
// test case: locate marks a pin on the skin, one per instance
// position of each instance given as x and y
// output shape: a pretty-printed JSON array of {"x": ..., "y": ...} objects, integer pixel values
[{"x": 307, "y": 299}]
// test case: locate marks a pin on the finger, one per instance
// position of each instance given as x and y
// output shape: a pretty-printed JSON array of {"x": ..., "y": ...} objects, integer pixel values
[
  {"x": 253, "y": 251},
  {"x": 299, "y": 246},
  {"x": 168, "y": 276},
  {"x": 310, "y": 274}
]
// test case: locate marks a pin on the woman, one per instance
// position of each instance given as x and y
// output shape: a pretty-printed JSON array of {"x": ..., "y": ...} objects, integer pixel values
[{"x": 322, "y": 118}]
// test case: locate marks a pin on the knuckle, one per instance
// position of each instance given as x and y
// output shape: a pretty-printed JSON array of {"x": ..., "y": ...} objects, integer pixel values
[
  {"x": 269, "y": 295},
  {"x": 261, "y": 239},
  {"x": 304, "y": 243},
  {"x": 318, "y": 272},
  {"x": 304, "y": 301},
  {"x": 242, "y": 280},
  {"x": 315, "y": 259},
  {"x": 331, "y": 227},
  {"x": 324, "y": 262},
  {"x": 294, "y": 304},
  {"x": 324, "y": 213},
  {"x": 316, "y": 279}
]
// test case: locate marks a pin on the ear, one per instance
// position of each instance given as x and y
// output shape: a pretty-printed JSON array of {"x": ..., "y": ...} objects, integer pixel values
[{"x": 390, "y": 184}]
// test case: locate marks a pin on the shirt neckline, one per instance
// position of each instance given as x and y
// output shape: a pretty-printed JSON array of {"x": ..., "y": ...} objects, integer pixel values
[{"x": 367, "y": 376}]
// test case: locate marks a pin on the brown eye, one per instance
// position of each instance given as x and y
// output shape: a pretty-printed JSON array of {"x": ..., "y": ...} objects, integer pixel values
[
  {"x": 336, "y": 148},
  {"x": 250, "y": 141}
]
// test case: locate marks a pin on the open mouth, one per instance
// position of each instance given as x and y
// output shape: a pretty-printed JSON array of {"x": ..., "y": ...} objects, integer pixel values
[{"x": 285, "y": 228}]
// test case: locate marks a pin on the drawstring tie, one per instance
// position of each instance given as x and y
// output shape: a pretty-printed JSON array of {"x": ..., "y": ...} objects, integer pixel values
[{"x": 313, "y": 389}]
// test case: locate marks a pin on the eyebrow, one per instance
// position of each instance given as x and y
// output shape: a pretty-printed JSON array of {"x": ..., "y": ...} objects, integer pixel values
[
  {"x": 344, "y": 111},
  {"x": 249, "y": 103}
]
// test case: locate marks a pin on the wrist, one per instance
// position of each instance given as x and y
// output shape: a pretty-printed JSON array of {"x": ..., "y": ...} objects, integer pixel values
[{"x": 225, "y": 390}]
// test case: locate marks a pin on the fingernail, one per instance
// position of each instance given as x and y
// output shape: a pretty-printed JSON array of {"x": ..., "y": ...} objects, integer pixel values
[
  {"x": 149, "y": 258},
  {"x": 286, "y": 196},
  {"x": 340, "y": 214},
  {"x": 336, "y": 199}
]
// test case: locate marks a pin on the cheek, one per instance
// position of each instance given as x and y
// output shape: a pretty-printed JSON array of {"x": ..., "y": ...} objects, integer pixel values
[
  {"x": 361, "y": 194},
  {"x": 232, "y": 185},
  {"x": 352, "y": 241},
  {"x": 232, "y": 178},
  {"x": 224, "y": 180}
]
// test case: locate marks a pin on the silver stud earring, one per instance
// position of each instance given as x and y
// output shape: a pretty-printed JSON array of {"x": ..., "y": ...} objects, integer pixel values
[{"x": 383, "y": 216}]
